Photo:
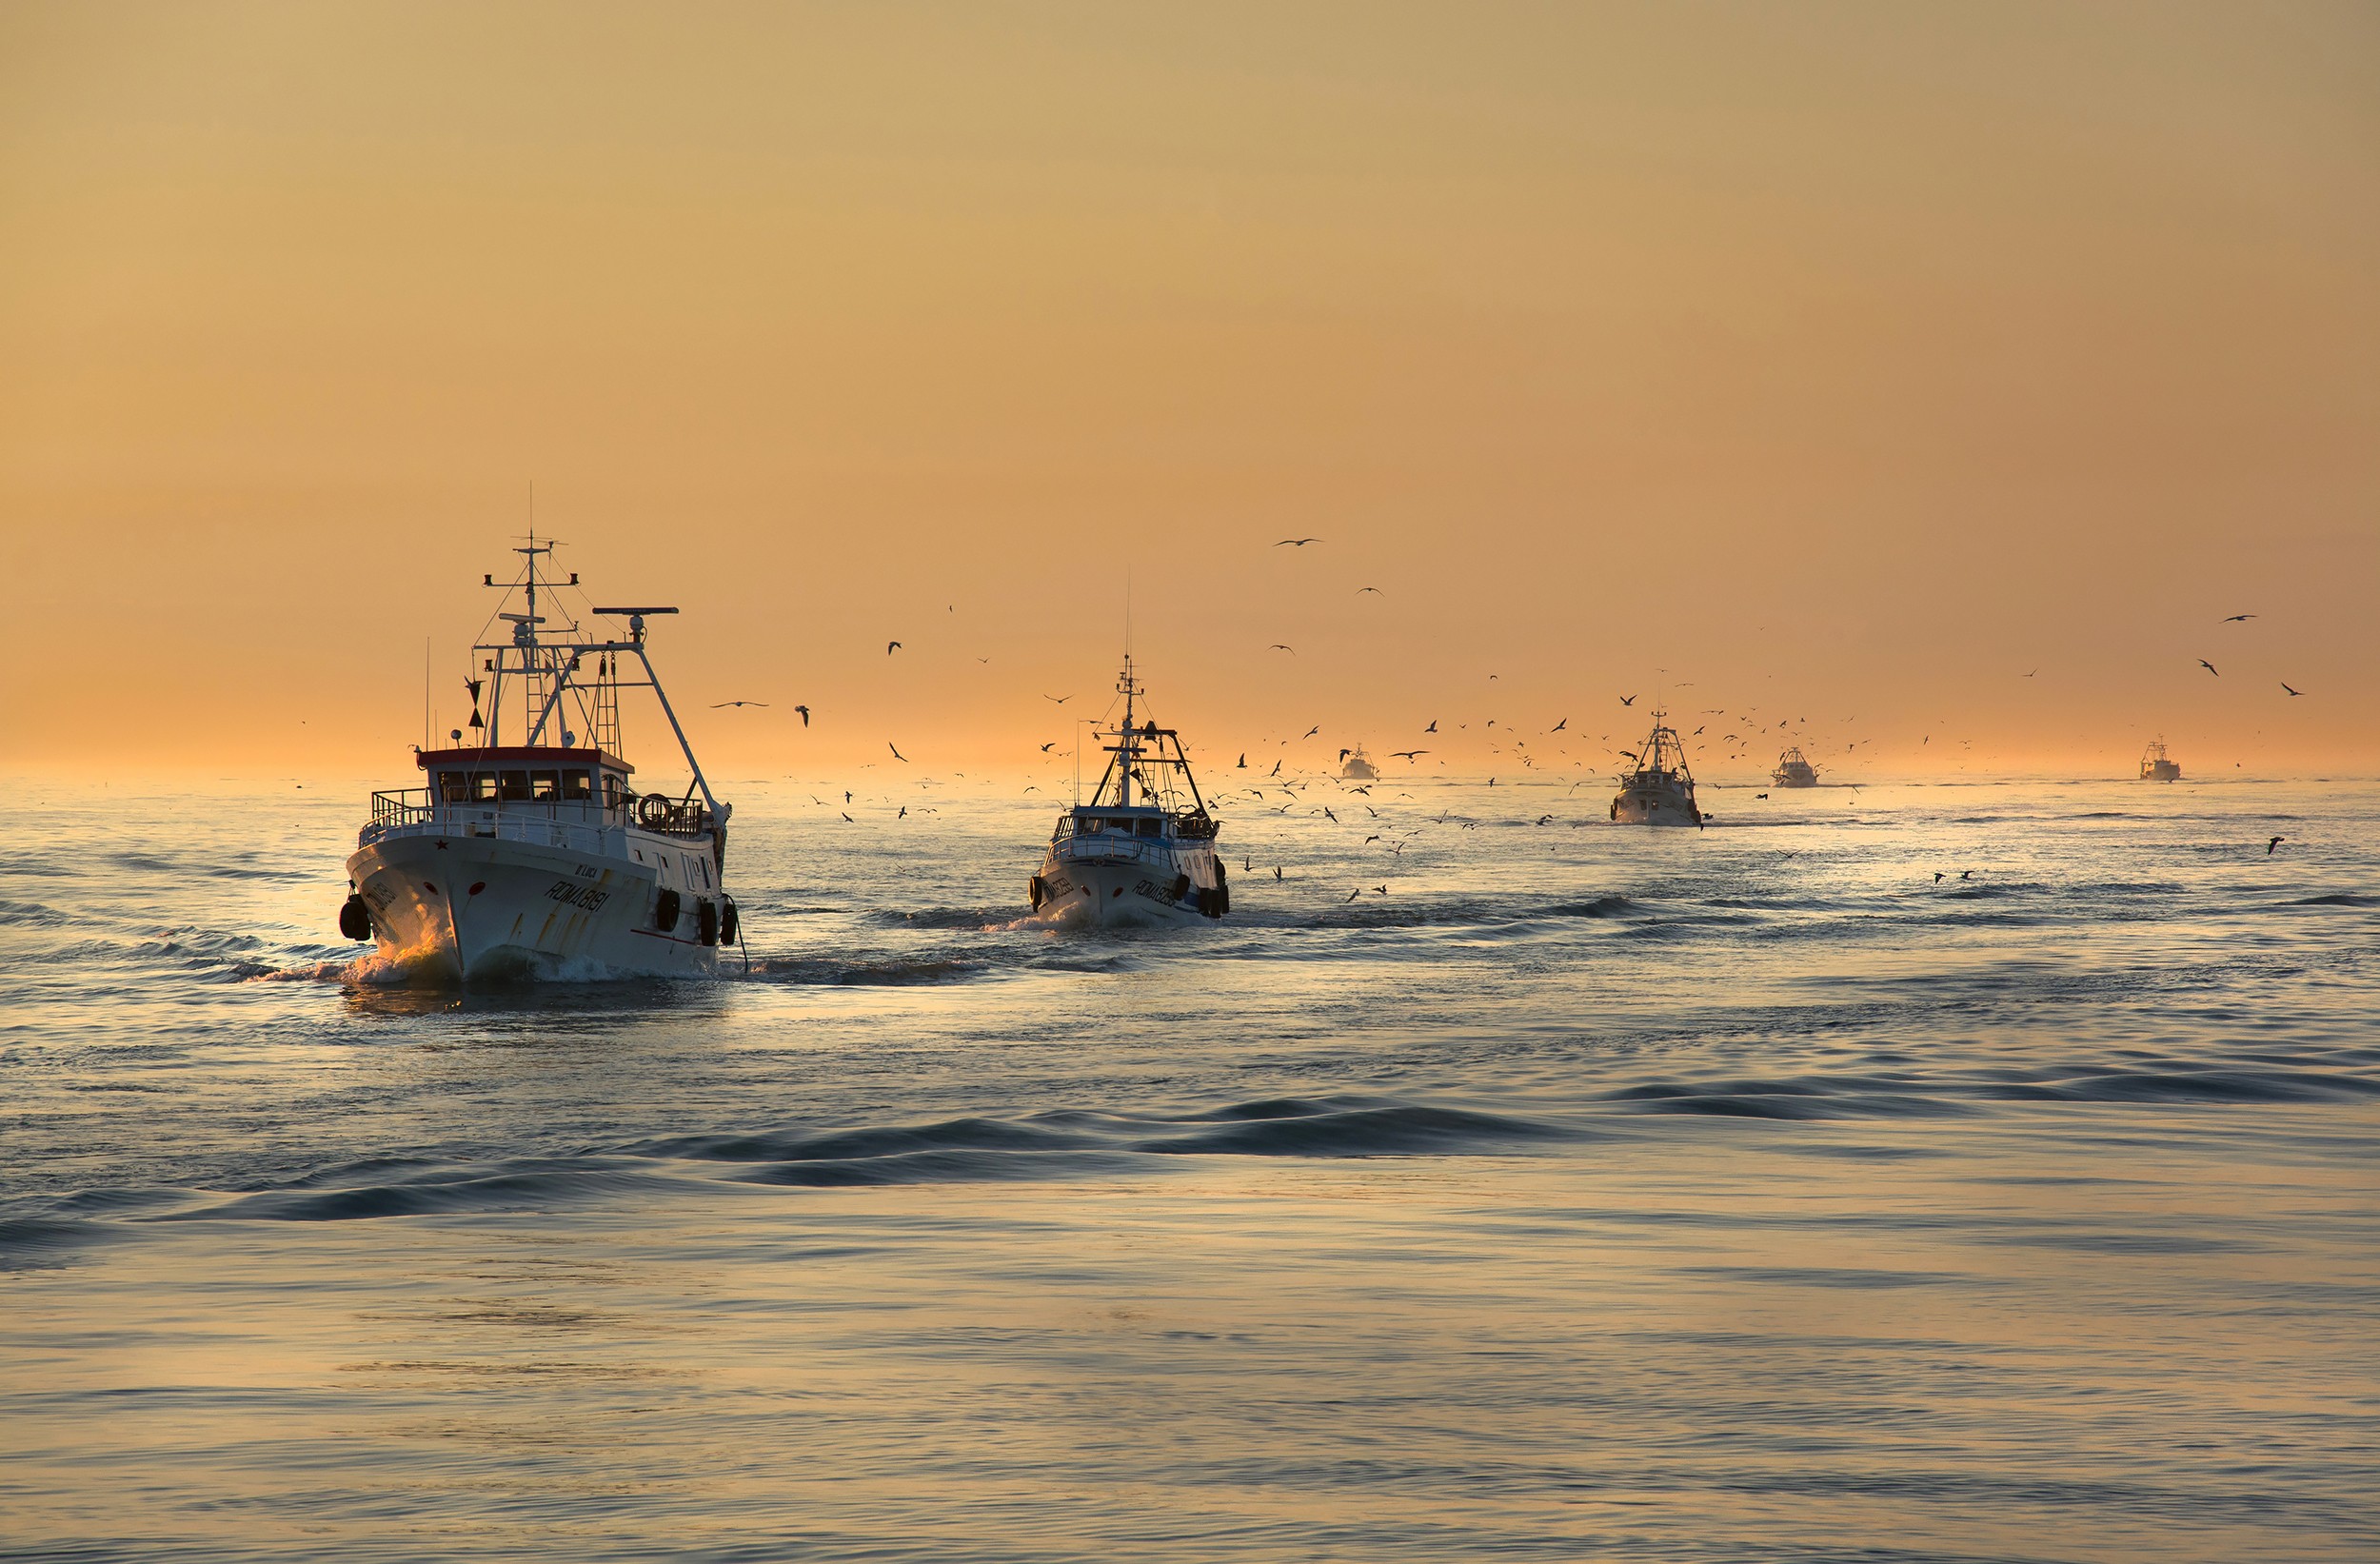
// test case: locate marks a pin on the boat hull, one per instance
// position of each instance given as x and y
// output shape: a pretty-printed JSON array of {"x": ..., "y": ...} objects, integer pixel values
[
  {"x": 459, "y": 909},
  {"x": 1080, "y": 893},
  {"x": 1654, "y": 806}
]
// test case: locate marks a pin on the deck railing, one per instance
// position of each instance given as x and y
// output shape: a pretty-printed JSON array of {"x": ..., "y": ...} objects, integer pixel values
[{"x": 577, "y": 822}]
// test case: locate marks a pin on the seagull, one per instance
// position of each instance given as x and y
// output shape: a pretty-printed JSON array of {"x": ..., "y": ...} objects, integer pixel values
[
  {"x": 1368, "y": 841},
  {"x": 897, "y": 755},
  {"x": 1361, "y": 590},
  {"x": 2285, "y": 684},
  {"x": 1244, "y": 761},
  {"x": 1938, "y": 876},
  {"x": 716, "y": 704},
  {"x": 1327, "y": 815},
  {"x": 2210, "y": 667},
  {"x": 1406, "y": 754},
  {"x": 1964, "y": 873},
  {"x": 1628, "y": 700},
  {"x": 846, "y": 795},
  {"x": 1276, "y": 871},
  {"x": 1343, "y": 754},
  {"x": 1277, "y": 647},
  {"x": 1383, "y": 889},
  {"x": 2274, "y": 843},
  {"x": 891, "y": 646},
  {"x": 1296, "y": 542},
  {"x": 1433, "y": 727},
  {"x": 805, "y": 715},
  {"x": 2236, "y": 618},
  {"x": 1048, "y": 748},
  {"x": 1275, "y": 771},
  {"x": 1312, "y": 731},
  {"x": 846, "y": 819},
  {"x": 1061, "y": 699},
  {"x": 905, "y": 813}
]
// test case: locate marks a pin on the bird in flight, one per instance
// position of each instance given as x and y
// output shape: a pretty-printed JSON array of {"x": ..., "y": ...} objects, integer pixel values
[
  {"x": 1061, "y": 699},
  {"x": 1296, "y": 542},
  {"x": 1628, "y": 700},
  {"x": 1244, "y": 761},
  {"x": 1048, "y": 748},
  {"x": 846, "y": 819},
  {"x": 2274, "y": 843},
  {"x": 1312, "y": 731},
  {"x": 716, "y": 704},
  {"x": 1558, "y": 726},
  {"x": 1406, "y": 754},
  {"x": 2030, "y": 675},
  {"x": 805, "y": 715},
  {"x": 1277, "y": 647},
  {"x": 896, "y": 752},
  {"x": 2210, "y": 667},
  {"x": 1374, "y": 590},
  {"x": 1433, "y": 727},
  {"x": 2236, "y": 618},
  {"x": 1327, "y": 815},
  {"x": 891, "y": 646},
  {"x": 2285, "y": 684},
  {"x": 1938, "y": 876},
  {"x": 1351, "y": 896}
]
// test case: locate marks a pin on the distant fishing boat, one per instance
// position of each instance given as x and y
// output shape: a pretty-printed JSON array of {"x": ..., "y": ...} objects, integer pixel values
[
  {"x": 1355, "y": 765},
  {"x": 2155, "y": 765},
  {"x": 540, "y": 858},
  {"x": 1793, "y": 771},
  {"x": 1660, "y": 791},
  {"x": 1127, "y": 858}
]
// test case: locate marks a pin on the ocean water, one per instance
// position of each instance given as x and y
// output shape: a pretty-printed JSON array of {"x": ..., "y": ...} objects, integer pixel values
[{"x": 1582, "y": 1193}]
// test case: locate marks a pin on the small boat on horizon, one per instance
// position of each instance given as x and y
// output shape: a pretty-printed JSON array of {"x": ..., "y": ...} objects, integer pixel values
[
  {"x": 2155, "y": 765},
  {"x": 539, "y": 858},
  {"x": 1125, "y": 859},
  {"x": 1794, "y": 771},
  {"x": 1355, "y": 765},
  {"x": 1660, "y": 791}
]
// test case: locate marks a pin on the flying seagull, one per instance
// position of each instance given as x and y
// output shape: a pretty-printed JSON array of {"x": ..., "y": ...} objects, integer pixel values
[
  {"x": 1558, "y": 726},
  {"x": 1406, "y": 754},
  {"x": 897, "y": 755},
  {"x": 1312, "y": 731},
  {"x": 2210, "y": 667},
  {"x": 2236, "y": 618},
  {"x": 1061, "y": 699},
  {"x": 1374, "y": 590},
  {"x": 1244, "y": 761},
  {"x": 2285, "y": 684},
  {"x": 716, "y": 704},
  {"x": 805, "y": 715},
  {"x": 846, "y": 819},
  {"x": 1433, "y": 727},
  {"x": 1296, "y": 542},
  {"x": 1628, "y": 700},
  {"x": 1048, "y": 748},
  {"x": 2274, "y": 843},
  {"x": 1277, "y": 647},
  {"x": 891, "y": 646}
]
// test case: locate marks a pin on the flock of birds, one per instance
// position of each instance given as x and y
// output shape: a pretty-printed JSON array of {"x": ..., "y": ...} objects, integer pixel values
[{"x": 1740, "y": 727}]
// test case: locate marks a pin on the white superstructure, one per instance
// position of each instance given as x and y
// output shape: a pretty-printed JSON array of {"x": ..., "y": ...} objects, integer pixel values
[
  {"x": 540, "y": 858},
  {"x": 1126, "y": 858}
]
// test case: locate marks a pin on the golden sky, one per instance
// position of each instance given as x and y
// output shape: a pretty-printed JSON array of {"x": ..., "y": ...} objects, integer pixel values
[{"x": 1847, "y": 361}]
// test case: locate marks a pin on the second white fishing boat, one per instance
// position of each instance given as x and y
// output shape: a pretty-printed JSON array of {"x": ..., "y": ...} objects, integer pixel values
[
  {"x": 1660, "y": 791},
  {"x": 1126, "y": 857}
]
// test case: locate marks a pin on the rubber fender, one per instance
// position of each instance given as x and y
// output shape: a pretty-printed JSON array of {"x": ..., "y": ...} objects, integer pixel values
[
  {"x": 666, "y": 911},
  {"x": 1035, "y": 893},
  {"x": 355, "y": 919},
  {"x": 1222, "y": 880},
  {"x": 1182, "y": 886},
  {"x": 706, "y": 921},
  {"x": 731, "y": 923}
]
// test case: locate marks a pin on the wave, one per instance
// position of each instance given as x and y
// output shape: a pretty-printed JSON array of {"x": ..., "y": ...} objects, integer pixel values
[{"x": 880, "y": 972}]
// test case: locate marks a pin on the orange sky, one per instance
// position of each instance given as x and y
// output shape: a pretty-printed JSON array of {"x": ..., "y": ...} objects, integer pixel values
[{"x": 1847, "y": 361}]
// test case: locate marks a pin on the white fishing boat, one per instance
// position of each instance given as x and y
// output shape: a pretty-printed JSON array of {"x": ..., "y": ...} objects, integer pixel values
[
  {"x": 1127, "y": 858},
  {"x": 2157, "y": 766},
  {"x": 1355, "y": 765},
  {"x": 1660, "y": 791},
  {"x": 1794, "y": 771},
  {"x": 539, "y": 857}
]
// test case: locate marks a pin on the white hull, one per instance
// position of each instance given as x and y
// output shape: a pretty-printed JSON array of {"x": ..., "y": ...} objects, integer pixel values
[
  {"x": 451, "y": 907},
  {"x": 1145, "y": 892},
  {"x": 1654, "y": 806}
]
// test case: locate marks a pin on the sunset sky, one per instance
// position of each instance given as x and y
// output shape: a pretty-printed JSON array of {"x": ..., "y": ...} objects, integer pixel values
[{"x": 1848, "y": 360}]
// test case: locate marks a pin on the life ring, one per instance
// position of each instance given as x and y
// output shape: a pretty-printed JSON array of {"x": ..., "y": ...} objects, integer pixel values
[{"x": 653, "y": 811}]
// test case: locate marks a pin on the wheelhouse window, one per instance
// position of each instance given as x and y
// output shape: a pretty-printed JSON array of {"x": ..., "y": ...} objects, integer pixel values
[
  {"x": 545, "y": 787},
  {"x": 577, "y": 786},
  {"x": 466, "y": 786},
  {"x": 513, "y": 787},
  {"x": 1151, "y": 827}
]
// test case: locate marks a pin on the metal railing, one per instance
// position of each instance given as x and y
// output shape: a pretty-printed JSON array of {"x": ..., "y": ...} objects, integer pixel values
[{"x": 584, "y": 823}]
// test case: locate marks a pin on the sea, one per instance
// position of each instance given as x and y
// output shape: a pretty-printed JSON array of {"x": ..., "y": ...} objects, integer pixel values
[{"x": 1902, "y": 1172}]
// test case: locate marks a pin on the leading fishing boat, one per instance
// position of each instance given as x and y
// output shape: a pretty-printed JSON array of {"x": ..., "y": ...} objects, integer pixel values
[
  {"x": 1128, "y": 858},
  {"x": 540, "y": 857},
  {"x": 1660, "y": 791}
]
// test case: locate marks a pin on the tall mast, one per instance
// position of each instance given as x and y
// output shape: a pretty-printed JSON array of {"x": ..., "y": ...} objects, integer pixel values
[{"x": 1123, "y": 750}]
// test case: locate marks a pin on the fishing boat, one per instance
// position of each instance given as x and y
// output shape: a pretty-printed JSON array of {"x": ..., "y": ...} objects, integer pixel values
[
  {"x": 1794, "y": 771},
  {"x": 531, "y": 852},
  {"x": 1355, "y": 765},
  {"x": 1127, "y": 858},
  {"x": 1660, "y": 791},
  {"x": 2155, "y": 765}
]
